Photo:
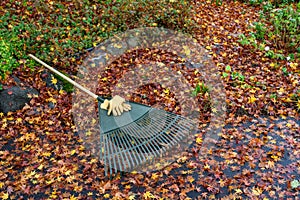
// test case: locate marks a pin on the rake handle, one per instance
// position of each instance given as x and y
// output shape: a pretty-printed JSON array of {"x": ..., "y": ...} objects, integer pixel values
[{"x": 67, "y": 78}]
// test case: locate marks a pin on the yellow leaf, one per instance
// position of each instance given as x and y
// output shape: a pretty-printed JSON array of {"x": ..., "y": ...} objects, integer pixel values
[
  {"x": 19, "y": 120},
  {"x": 128, "y": 187},
  {"x": 214, "y": 110},
  {"x": 154, "y": 176},
  {"x": 90, "y": 194},
  {"x": 148, "y": 195},
  {"x": 73, "y": 152},
  {"x": 206, "y": 167},
  {"x": 252, "y": 99},
  {"x": 187, "y": 50},
  {"x": 272, "y": 64},
  {"x": 51, "y": 100},
  {"x": 119, "y": 46},
  {"x": 106, "y": 196},
  {"x": 294, "y": 65},
  {"x": 298, "y": 104},
  {"x": 5, "y": 195},
  {"x": 47, "y": 154},
  {"x": 10, "y": 118},
  {"x": 1, "y": 114},
  {"x": 132, "y": 197},
  {"x": 199, "y": 140},
  {"x": 281, "y": 91},
  {"x": 167, "y": 91},
  {"x": 73, "y": 197},
  {"x": 68, "y": 172},
  {"x": 32, "y": 173},
  {"x": 53, "y": 80},
  {"x": 208, "y": 47},
  {"x": 238, "y": 191},
  {"x": 1, "y": 184},
  {"x": 257, "y": 191},
  {"x": 287, "y": 100},
  {"x": 93, "y": 160}
]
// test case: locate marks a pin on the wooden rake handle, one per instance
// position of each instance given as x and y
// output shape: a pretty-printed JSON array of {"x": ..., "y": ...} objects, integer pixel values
[{"x": 66, "y": 78}]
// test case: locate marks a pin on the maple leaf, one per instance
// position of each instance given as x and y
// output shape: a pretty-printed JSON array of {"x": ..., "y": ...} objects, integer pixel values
[
  {"x": 199, "y": 140},
  {"x": 238, "y": 191},
  {"x": 73, "y": 197},
  {"x": 154, "y": 176},
  {"x": 206, "y": 167},
  {"x": 148, "y": 195},
  {"x": 53, "y": 80},
  {"x": 252, "y": 99},
  {"x": 187, "y": 50},
  {"x": 131, "y": 197},
  {"x": 298, "y": 104},
  {"x": 295, "y": 184},
  {"x": 257, "y": 191},
  {"x": 5, "y": 196}
]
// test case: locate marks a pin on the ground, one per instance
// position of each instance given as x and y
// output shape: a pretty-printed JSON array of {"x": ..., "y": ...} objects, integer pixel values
[{"x": 256, "y": 155}]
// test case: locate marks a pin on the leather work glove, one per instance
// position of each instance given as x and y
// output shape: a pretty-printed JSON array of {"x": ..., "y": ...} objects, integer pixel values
[{"x": 116, "y": 105}]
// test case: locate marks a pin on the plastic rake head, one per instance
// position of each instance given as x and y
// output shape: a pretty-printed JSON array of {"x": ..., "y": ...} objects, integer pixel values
[{"x": 150, "y": 137}]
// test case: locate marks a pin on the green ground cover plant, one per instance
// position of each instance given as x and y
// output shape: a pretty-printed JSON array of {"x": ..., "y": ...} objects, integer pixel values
[{"x": 57, "y": 30}]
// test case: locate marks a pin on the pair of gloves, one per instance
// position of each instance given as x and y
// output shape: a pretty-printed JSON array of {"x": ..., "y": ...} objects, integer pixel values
[{"x": 116, "y": 105}]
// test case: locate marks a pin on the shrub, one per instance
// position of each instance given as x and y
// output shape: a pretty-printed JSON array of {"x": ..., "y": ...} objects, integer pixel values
[{"x": 285, "y": 32}]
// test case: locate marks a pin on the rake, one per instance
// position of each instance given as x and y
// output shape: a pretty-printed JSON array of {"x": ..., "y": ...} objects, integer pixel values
[{"x": 138, "y": 137}]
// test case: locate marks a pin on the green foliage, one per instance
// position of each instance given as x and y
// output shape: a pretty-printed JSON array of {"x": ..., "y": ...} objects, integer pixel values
[
  {"x": 280, "y": 27},
  {"x": 286, "y": 28},
  {"x": 218, "y": 2},
  {"x": 273, "y": 3},
  {"x": 225, "y": 74},
  {"x": 228, "y": 68},
  {"x": 238, "y": 76},
  {"x": 243, "y": 40},
  {"x": 200, "y": 89},
  {"x": 55, "y": 32},
  {"x": 173, "y": 14},
  {"x": 285, "y": 71},
  {"x": 260, "y": 30},
  {"x": 273, "y": 96}
]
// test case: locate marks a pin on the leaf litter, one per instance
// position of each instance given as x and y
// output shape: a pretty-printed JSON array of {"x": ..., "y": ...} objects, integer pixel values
[{"x": 257, "y": 155}]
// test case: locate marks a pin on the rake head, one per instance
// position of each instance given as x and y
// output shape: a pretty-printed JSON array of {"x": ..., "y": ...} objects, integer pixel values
[{"x": 141, "y": 138}]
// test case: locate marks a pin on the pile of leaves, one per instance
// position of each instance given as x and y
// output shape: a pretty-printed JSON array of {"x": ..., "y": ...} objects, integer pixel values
[{"x": 256, "y": 155}]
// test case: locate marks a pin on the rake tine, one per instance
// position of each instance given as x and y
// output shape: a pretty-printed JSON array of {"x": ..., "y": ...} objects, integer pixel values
[
  {"x": 120, "y": 150},
  {"x": 124, "y": 149},
  {"x": 116, "y": 157},
  {"x": 143, "y": 134},
  {"x": 126, "y": 140},
  {"x": 141, "y": 145}
]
